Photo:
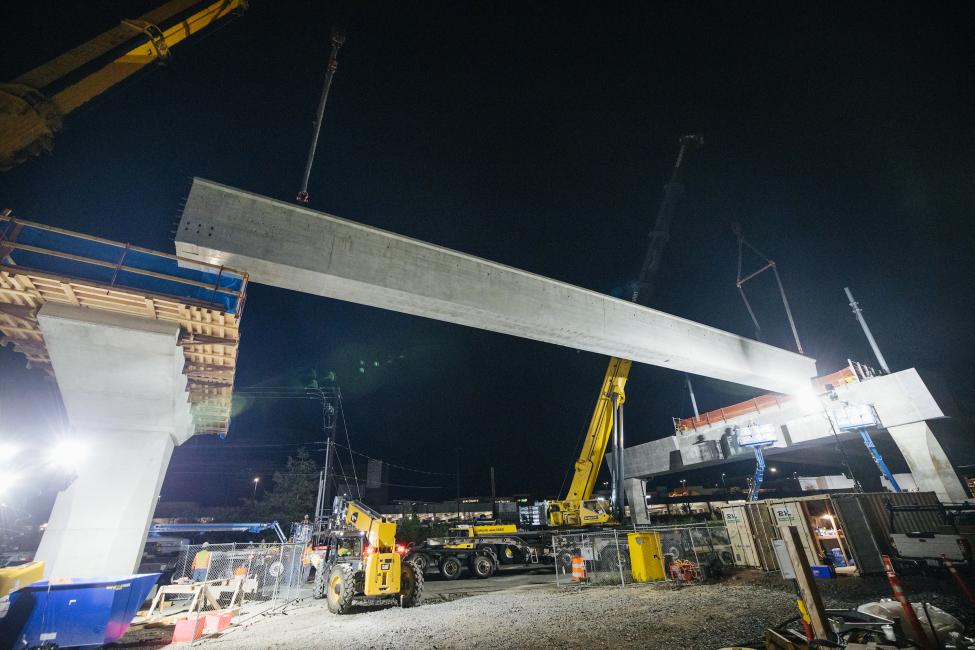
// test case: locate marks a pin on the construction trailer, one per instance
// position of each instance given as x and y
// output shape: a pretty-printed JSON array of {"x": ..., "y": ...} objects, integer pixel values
[{"x": 855, "y": 528}]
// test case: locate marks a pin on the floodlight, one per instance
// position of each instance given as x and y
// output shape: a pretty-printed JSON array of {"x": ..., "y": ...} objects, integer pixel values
[
  {"x": 68, "y": 454},
  {"x": 8, "y": 451},
  {"x": 807, "y": 399},
  {"x": 7, "y": 481}
]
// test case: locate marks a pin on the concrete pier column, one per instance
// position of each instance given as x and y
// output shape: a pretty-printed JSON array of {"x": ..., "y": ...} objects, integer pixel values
[
  {"x": 927, "y": 461},
  {"x": 636, "y": 495},
  {"x": 122, "y": 385}
]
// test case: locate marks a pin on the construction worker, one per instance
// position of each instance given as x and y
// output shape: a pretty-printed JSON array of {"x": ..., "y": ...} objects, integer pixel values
[
  {"x": 201, "y": 563},
  {"x": 306, "y": 561}
]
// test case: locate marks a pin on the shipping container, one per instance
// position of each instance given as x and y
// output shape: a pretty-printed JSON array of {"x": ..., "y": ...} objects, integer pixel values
[
  {"x": 853, "y": 528},
  {"x": 750, "y": 530},
  {"x": 867, "y": 523},
  {"x": 794, "y": 512},
  {"x": 742, "y": 542},
  {"x": 764, "y": 531}
]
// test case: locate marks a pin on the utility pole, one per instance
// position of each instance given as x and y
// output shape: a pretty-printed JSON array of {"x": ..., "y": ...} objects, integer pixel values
[{"x": 866, "y": 330}]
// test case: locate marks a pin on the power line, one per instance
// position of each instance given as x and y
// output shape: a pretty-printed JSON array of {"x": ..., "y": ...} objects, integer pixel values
[
  {"x": 345, "y": 426},
  {"x": 403, "y": 467},
  {"x": 244, "y": 475}
]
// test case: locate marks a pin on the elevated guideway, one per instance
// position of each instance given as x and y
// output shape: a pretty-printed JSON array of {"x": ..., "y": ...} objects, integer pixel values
[
  {"x": 143, "y": 353},
  {"x": 806, "y": 429}
]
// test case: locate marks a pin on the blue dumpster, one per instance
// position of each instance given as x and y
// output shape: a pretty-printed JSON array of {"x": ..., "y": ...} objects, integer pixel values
[{"x": 83, "y": 612}]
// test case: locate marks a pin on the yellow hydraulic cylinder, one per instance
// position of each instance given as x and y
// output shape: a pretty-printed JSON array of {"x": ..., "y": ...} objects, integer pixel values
[{"x": 646, "y": 556}]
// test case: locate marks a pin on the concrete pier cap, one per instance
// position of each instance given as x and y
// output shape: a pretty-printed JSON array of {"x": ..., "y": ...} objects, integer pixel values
[{"x": 292, "y": 247}]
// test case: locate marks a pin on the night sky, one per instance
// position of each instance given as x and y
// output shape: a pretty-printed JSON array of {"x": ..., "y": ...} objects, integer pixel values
[{"x": 538, "y": 135}]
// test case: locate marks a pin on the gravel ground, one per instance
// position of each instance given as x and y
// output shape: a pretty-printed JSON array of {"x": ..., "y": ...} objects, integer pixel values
[{"x": 542, "y": 616}]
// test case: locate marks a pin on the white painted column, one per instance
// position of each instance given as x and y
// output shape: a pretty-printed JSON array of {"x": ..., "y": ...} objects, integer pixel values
[
  {"x": 636, "y": 496},
  {"x": 928, "y": 462},
  {"x": 122, "y": 385}
]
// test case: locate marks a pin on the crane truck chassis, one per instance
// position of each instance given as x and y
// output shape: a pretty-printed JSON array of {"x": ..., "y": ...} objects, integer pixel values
[{"x": 483, "y": 549}]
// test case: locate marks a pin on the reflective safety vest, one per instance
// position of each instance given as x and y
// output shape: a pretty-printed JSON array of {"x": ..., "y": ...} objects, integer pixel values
[{"x": 201, "y": 560}]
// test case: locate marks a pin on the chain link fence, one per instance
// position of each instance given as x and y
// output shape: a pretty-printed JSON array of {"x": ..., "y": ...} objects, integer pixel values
[
  {"x": 706, "y": 546},
  {"x": 267, "y": 572},
  {"x": 690, "y": 553},
  {"x": 596, "y": 558}
]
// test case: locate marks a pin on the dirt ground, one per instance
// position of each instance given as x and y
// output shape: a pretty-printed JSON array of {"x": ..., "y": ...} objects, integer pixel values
[{"x": 529, "y": 611}]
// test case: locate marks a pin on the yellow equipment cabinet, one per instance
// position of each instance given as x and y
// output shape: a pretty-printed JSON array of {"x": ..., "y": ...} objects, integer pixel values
[
  {"x": 646, "y": 556},
  {"x": 15, "y": 577}
]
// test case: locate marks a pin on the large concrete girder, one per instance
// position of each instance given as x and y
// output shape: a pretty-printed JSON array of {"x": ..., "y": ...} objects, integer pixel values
[{"x": 292, "y": 247}]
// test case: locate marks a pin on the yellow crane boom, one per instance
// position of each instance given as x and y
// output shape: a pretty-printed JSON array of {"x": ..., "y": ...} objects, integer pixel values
[
  {"x": 33, "y": 106},
  {"x": 578, "y": 508}
]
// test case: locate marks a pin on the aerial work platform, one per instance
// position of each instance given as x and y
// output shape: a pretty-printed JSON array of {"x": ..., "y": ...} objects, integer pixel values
[
  {"x": 292, "y": 247},
  {"x": 143, "y": 352}
]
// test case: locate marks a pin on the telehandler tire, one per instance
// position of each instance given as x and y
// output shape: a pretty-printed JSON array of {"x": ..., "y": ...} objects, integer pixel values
[
  {"x": 450, "y": 568},
  {"x": 340, "y": 589},
  {"x": 321, "y": 580},
  {"x": 421, "y": 560},
  {"x": 410, "y": 585}
]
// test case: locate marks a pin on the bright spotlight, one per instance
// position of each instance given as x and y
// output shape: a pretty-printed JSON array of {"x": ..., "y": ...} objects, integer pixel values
[
  {"x": 7, "y": 452},
  {"x": 807, "y": 399},
  {"x": 7, "y": 481},
  {"x": 68, "y": 454}
]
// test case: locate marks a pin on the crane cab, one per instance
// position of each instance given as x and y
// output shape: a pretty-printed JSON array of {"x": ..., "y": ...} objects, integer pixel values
[{"x": 589, "y": 512}]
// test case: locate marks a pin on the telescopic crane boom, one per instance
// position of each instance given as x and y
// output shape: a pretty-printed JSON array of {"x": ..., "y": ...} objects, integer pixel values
[
  {"x": 578, "y": 508},
  {"x": 33, "y": 106}
]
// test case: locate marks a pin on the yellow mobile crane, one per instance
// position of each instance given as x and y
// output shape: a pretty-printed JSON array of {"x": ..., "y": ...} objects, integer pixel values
[
  {"x": 579, "y": 508},
  {"x": 33, "y": 106},
  {"x": 361, "y": 560}
]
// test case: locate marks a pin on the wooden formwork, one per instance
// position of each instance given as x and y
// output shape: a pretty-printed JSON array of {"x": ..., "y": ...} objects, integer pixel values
[{"x": 209, "y": 334}]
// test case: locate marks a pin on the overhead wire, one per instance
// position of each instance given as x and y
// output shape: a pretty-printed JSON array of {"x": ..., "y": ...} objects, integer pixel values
[
  {"x": 402, "y": 467},
  {"x": 345, "y": 427},
  {"x": 325, "y": 395}
]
